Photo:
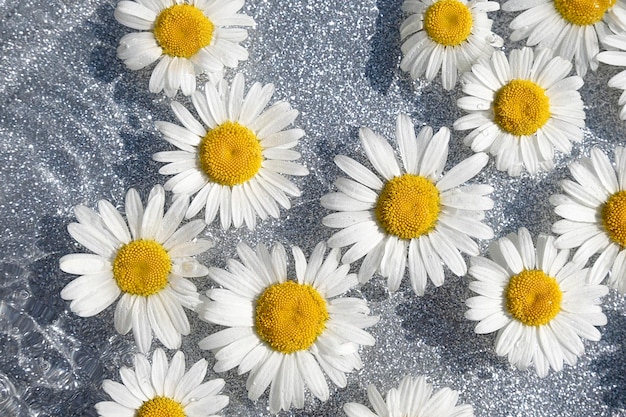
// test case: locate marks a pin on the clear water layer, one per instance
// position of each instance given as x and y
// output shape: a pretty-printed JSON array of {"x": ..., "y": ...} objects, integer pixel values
[{"x": 76, "y": 126}]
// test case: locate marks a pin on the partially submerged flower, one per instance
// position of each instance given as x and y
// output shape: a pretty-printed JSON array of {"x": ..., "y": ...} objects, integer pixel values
[
  {"x": 186, "y": 37},
  {"x": 285, "y": 331},
  {"x": 416, "y": 214},
  {"x": 414, "y": 397},
  {"x": 575, "y": 29},
  {"x": 234, "y": 164},
  {"x": 147, "y": 261},
  {"x": 450, "y": 35},
  {"x": 594, "y": 215},
  {"x": 540, "y": 305},
  {"x": 522, "y": 109},
  {"x": 163, "y": 390}
]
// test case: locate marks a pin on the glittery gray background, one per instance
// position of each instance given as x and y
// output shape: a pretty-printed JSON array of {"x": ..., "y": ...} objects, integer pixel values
[{"x": 76, "y": 127}]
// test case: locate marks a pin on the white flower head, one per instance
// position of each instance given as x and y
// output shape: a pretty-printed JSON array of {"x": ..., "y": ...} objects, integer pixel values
[
  {"x": 573, "y": 28},
  {"x": 521, "y": 109},
  {"x": 233, "y": 163},
  {"x": 147, "y": 261},
  {"x": 414, "y": 397},
  {"x": 449, "y": 35},
  {"x": 414, "y": 215},
  {"x": 618, "y": 58},
  {"x": 161, "y": 389},
  {"x": 188, "y": 37},
  {"x": 285, "y": 332},
  {"x": 539, "y": 303},
  {"x": 594, "y": 215}
]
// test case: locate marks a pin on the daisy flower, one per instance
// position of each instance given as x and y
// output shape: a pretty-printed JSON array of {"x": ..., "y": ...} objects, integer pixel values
[
  {"x": 413, "y": 398},
  {"x": 571, "y": 27},
  {"x": 617, "y": 58},
  {"x": 415, "y": 213},
  {"x": 283, "y": 331},
  {"x": 522, "y": 109},
  {"x": 539, "y": 303},
  {"x": 446, "y": 34},
  {"x": 147, "y": 261},
  {"x": 234, "y": 163},
  {"x": 594, "y": 215},
  {"x": 188, "y": 37},
  {"x": 163, "y": 389}
]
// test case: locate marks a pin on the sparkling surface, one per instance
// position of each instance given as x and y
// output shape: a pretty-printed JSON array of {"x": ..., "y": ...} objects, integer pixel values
[{"x": 76, "y": 127}]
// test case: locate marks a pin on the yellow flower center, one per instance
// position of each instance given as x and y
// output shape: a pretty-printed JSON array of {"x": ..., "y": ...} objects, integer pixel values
[
  {"x": 290, "y": 316},
  {"x": 182, "y": 30},
  {"x": 142, "y": 267},
  {"x": 448, "y": 22},
  {"x": 614, "y": 217},
  {"x": 230, "y": 154},
  {"x": 583, "y": 12},
  {"x": 408, "y": 206},
  {"x": 533, "y": 297},
  {"x": 521, "y": 107},
  {"x": 161, "y": 407}
]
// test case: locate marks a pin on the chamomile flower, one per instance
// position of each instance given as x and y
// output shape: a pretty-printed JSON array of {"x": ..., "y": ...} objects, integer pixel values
[
  {"x": 539, "y": 303},
  {"x": 413, "y": 215},
  {"x": 188, "y": 37},
  {"x": 594, "y": 215},
  {"x": 413, "y": 398},
  {"x": 284, "y": 331},
  {"x": 449, "y": 35},
  {"x": 521, "y": 109},
  {"x": 571, "y": 27},
  {"x": 234, "y": 163},
  {"x": 147, "y": 261},
  {"x": 161, "y": 389},
  {"x": 617, "y": 58}
]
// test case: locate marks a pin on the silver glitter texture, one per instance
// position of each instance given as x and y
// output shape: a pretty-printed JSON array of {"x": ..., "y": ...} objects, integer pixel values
[{"x": 76, "y": 127}]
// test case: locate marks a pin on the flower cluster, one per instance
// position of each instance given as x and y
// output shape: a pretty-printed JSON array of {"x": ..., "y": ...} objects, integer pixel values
[{"x": 406, "y": 211}]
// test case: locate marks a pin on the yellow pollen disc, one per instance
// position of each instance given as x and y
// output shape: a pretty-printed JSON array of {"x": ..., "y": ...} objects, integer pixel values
[
  {"x": 182, "y": 30},
  {"x": 290, "y": 316},
  {"x": 448, "y": 22},
  {"x": 533, "y": 297},
  {"x": 614, "y": 217},
  {"x": 521, "y": 107},
  {"x": 583, "y": 12},
  {"x": 142, "y": 267},
  {"x": 230, "y": 154},
  {"x": 161, "y": 407},
  {"x": 408, "y": 206}
]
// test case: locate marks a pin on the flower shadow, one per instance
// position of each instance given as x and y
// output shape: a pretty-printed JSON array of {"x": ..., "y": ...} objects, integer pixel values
[
  {"x": 106, "y": 31},
  {"x": 437, "y": 319},
  {"x": 385, "y": 46},
  {"x": 612, "y": 366}
]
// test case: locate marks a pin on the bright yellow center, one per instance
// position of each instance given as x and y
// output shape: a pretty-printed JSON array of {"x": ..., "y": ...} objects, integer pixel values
[
  {"x": 230, "y": 154},
  {"x": 290, "y": 316},
  {"x": 583, "y": 12},
  {"x": 161, "y": 407},
  {"x": 182, "y": 30},
  {"x": 408, "y": 206},
  {"x": 533, "y": 297},
  {"x": 614, "y": 217},
  {"x": 521, "y": 107},
  {"x": 448, "y": 22},
  {"x": 141, "y": 267}
]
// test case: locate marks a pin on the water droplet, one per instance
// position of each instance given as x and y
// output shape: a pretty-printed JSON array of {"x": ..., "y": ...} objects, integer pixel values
[
  {"x": 128, "y": 359},
  {"x": 495, "y": 40}
]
